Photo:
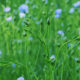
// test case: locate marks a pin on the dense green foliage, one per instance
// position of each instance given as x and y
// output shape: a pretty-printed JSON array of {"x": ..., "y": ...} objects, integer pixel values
[{"x": 27, "y": 44}]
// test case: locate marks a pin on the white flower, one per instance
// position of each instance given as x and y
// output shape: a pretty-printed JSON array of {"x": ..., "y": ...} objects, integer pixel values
[
  {"x": 20, "y": 78},
  {"x": 7, "y": 9},
  {"x": 9, "y": 18},
  {"x": 22, "y": 15}
]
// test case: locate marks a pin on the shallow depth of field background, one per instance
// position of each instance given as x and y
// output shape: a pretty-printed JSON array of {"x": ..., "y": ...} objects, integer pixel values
[{"x": 41, "y": 43}]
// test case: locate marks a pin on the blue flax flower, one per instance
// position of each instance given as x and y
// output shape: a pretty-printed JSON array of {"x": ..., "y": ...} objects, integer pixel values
[
  {"x": 23, "y": 8},
  {"x": 71, "y": 10},
  {"x": 77, "y": 4}
]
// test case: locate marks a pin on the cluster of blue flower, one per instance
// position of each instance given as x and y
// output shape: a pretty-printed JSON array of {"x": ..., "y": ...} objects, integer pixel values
[
  {"x": 23, "y": 10},
  {"x": 59, "y": 11},
  {"x": 75, "y": 5}
]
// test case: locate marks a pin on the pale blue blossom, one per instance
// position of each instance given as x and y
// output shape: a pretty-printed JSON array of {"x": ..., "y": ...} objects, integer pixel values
[
  {"x": 60, "y": 32},
  {"x": 71, "y": 10},
  {"x": 20, "y": 78},
  {"x": 52, "y": 58},
  {"x": 79, "y": 10},
  {"x": 27, "y": 1},
  {"x": 77, "y": 4},
  {"x": 9, "y": 18},
  {"x": 30, "y": 38},
  {"x": 23, "y": 8},
  {"x": 69, "y": 44},
  {"x": 46, "y": 1},
  {"x": 58, "y": 11},
  {"x": 0, "y": 52},
  {"x": 13, "y": 65},
  {"x": 79, "y": 31},
  {"x": 62, "y": 24},
  {"x": 57, "y": 16},
  {"x": 19, "y": 41},
  {"x": 76, "y": 59},
  {"x": 22, "y": 15},
  {"x": 38, "y": 22},
  {"x": 78, "y": 47},
  {"x": 7, "y": 9}
]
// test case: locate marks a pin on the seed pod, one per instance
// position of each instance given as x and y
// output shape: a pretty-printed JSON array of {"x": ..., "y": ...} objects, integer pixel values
[{"x": 48, "y": 21}]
